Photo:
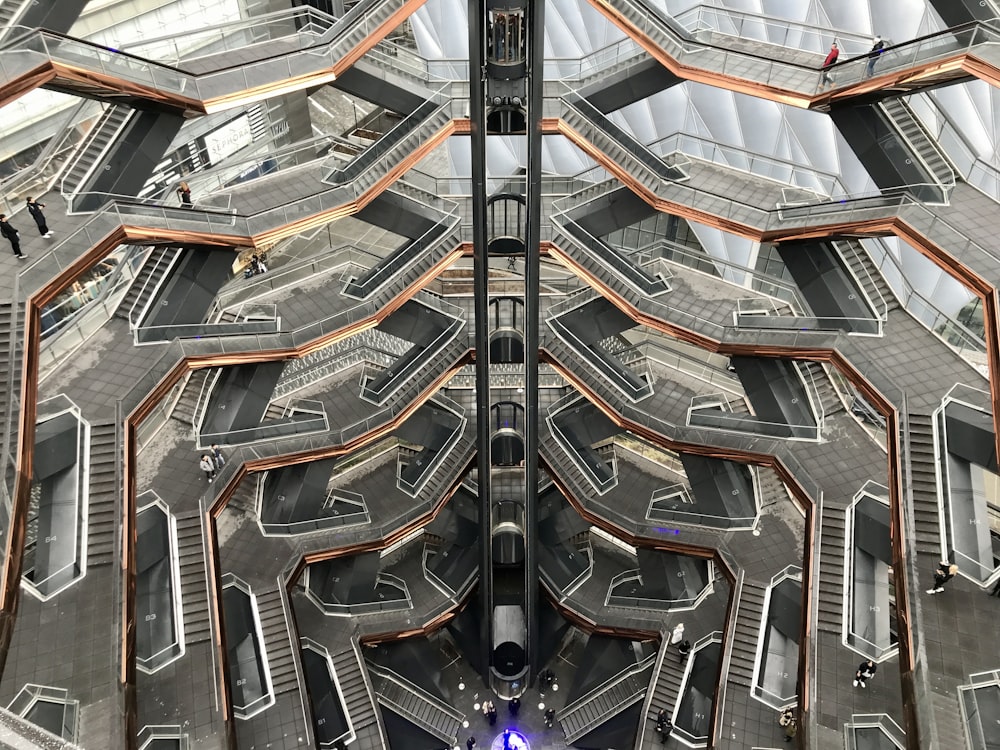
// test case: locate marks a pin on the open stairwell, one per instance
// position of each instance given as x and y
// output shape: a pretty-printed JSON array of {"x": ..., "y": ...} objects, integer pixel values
[
  {"x": 103, "y": 498},
  {"x": 665, "y": 693},
  {"x": 831, "y": 569},
  {"x": 924, "y": 147},
  {"x": 772, "y": 489},
  {"x": 194, "y": 592},
  {"x": 85, "y": 160},
  {"x": 873, "y": 283},
  {"x": 275, "y": 629},
  {"x": 187, "y": 404},
  {"x": 376, "y": 13},
  {"x": 371, "y": 286},
  {"x": 628, "y": 156},
  {"x": 819, "y": 382},
  {"x": 10, "y": 361},
  {"x": 358, "y": 698},
  {"x": 11, "y": 12},
  {"x": 8, "y": 8},
  {"x": 145, "y": 284},
  {"x": 746, "y": 634},
  {"x": 416, "y": 705},
  {"x": 449, "y": 470},
  {"x": 599, "y": 705},
  {"x": 923, "y": 468}
]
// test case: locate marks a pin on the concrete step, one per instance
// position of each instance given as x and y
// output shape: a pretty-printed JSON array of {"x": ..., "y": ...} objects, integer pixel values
[
  {"x": 194, "y": 591},
  {"x": 746, "y": 634},
  {"x": 274, "y": 628},
  {"x": 102, "y": 497},
  {"x": 359, "y": 701}
]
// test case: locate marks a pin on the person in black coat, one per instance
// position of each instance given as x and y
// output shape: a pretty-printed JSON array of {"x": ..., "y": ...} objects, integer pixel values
[
  {"x": 944, "y": 573},
  {"x": 514, "y": 706},
  {"x": 866, "y": 670},
  {"x": 11, "y": 234},
  {"x": 35, "y": 209},
  {"x": 664, "y": 727},
  {"x": 878, "y": 47},
  {"x": 184, "y": 193}
]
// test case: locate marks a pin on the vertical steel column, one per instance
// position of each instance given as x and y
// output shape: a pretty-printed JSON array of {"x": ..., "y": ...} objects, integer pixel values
[
  {"x": 481, "y": 272},
  {"x": 532, "y": 271}
]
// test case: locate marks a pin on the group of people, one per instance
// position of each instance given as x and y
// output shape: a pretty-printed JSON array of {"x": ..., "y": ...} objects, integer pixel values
[
  {"x": 10, "y": 233},
  {"x": 878, "y": 47},
  {"x": 257, "y": 265},
  {"x": 211, "y": 462},
  {"x": 546, "y": 679},
  {"x": 14, "y": 237}
]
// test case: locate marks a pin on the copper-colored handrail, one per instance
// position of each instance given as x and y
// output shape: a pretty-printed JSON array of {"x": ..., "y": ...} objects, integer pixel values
[
  {"x": 9, "y": 584},
  {"x": 955, "y": 67},
  {"x": 65, "y": 76},
  {"x": 894, "y": 460}
]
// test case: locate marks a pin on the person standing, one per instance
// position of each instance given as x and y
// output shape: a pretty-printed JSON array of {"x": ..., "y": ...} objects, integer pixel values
[
  {"x": 790, "y": 730},
  {"x": 944, "y": 573},
  {"x": 866, "y": 670},
  {"x": 506, "y": 739},
  {"x": 184, "y": 193},
  {"x": 787, "y": 722},
  {"x": 35, "y": 209},
  {"x": 217, "y": 457},
  {"x": 514, "y": 706},
  {"x": 831, "y": 59},
  {"x": 550, "y": 717},
  {"x": 12, "y": 235},
  {"x": 208, "y": 466},
  {"x": 878, "y": 46},
  {"x": 470, "y": 743},
  {"x": 545, "y": 680}
]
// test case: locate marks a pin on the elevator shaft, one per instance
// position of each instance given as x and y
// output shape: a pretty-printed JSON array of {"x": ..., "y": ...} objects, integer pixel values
[{"x": 506, "y": 51}]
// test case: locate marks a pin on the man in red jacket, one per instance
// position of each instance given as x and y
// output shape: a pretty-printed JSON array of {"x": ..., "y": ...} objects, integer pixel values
[{"x": 831, "y": 58}]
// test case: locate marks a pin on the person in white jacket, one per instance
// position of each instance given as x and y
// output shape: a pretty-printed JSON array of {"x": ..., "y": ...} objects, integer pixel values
[{"x": 208, "y": 466}]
